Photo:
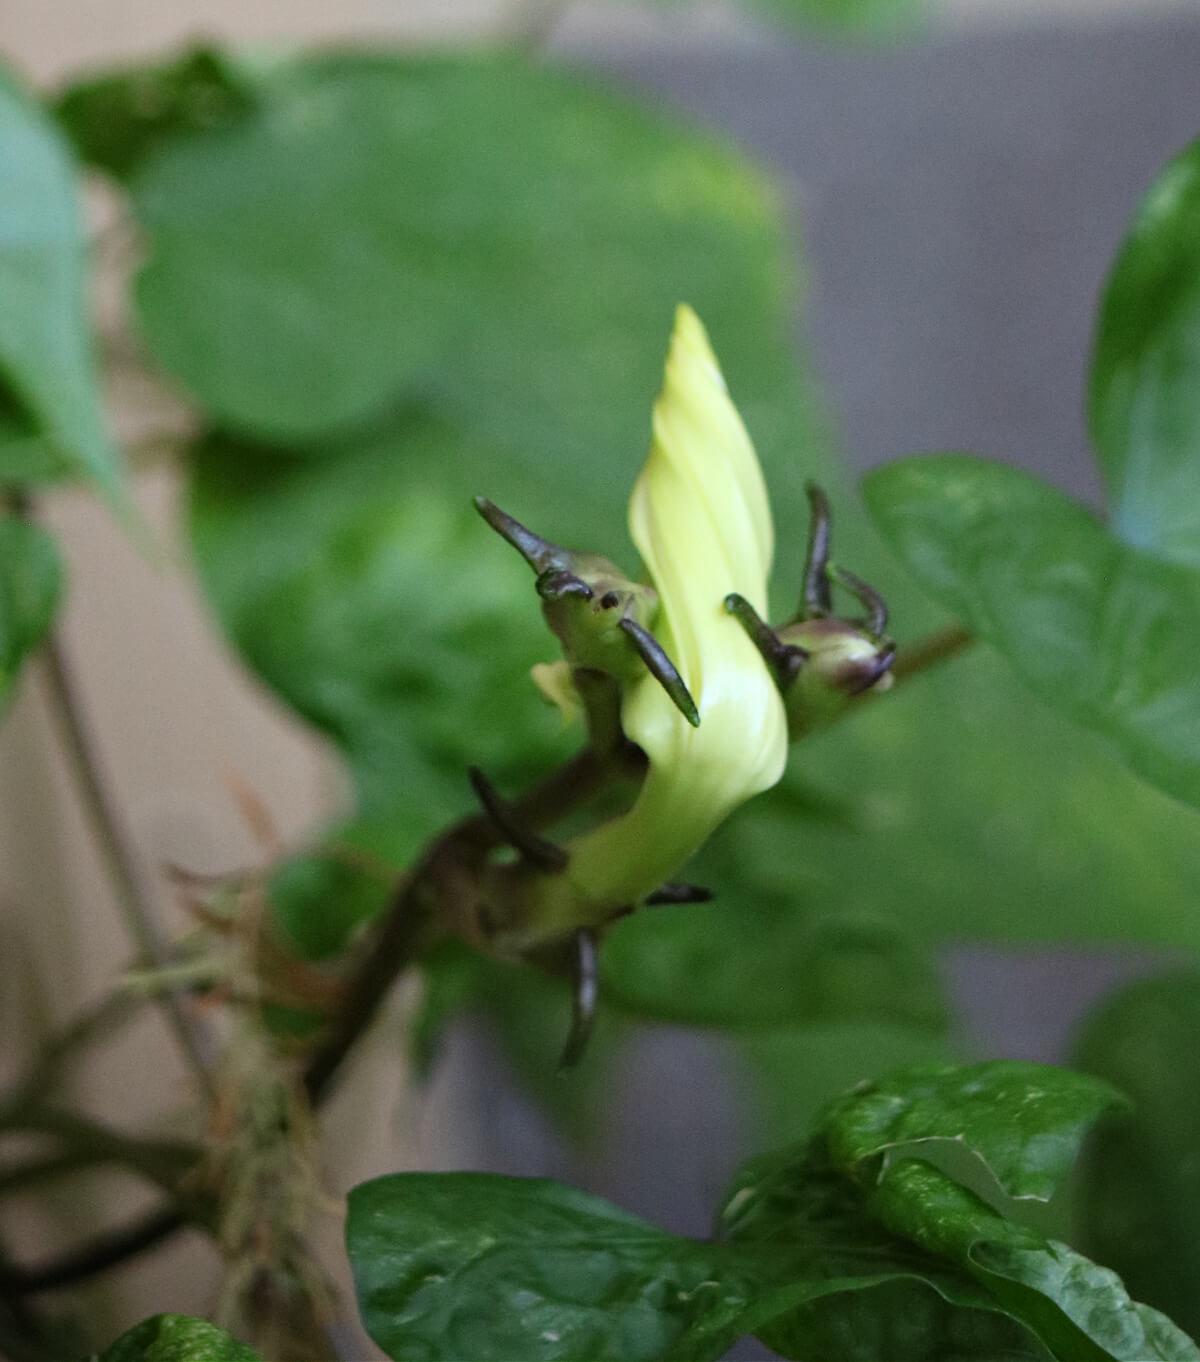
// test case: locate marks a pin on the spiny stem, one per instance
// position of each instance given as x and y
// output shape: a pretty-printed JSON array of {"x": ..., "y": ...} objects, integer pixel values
[
  {"x": 608, "y": 757},
  {"x": 101, "y": 811}
]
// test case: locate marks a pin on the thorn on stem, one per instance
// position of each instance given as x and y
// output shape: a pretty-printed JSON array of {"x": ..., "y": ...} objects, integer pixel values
[
  {"x": 543, "y": 555},
  {"x": 586, "y": 981},
  {"x": 662, "y": 669},
  {"x": 870, "y": 599},
  {"x": 816, "y": 597},
  {"x": 783, "y": 660},
  {"x": 538, "y": 851}
]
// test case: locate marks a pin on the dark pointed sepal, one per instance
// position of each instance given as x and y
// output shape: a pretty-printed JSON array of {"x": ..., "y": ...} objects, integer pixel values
[
  {"x": 872, "y": 602},
  {"x": 585, "y": 980},
  {"x": 662, "y": 669},
  {"x": 672, "y": 892},
  {"x": 537, "y": 851},
  {"x": 783, "y": 660},
  {"x": 816, "y": 597},
  {"x": 543, "y": 555}
]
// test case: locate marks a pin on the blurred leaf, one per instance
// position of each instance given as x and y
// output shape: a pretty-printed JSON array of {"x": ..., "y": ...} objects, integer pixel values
[
  {"x": 1139, "y": 1201},
  {"x": 852, "y": 18},
  {"x": 322, "y": 895},
  {"x": 47, "y": 384},
  {"x": 384, "y": 610},
  {"x": 1025, "y": 1121},
  {"x": 117, "y": 119},
  {"x": 1078, "y": 1309},
  {"x": 501, "y": 240},
  {"x": 796, "y": 1071},
  {"x": 177, "y": 1338},
  {"x": 1144, "y": 401},
  {"x": 789, "y": 966},
  {"x": 29, "y": 591},
  {"x": 1100, "y": 630}
]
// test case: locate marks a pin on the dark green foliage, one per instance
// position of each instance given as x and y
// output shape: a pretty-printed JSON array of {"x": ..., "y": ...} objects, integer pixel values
[
  {"x": 177, "y": 1338},
  {"x": 1139, "y": 1198},
  {"x": 116, "y": 120}
]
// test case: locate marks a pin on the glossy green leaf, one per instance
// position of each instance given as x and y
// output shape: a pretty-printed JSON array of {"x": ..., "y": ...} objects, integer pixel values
[
  {"x": 177, "y": 1338},
  {"x": 47, "y": 384},
  {"x": 886, "y": 1298},
  {"x": 30, "y": 584},
  {"x": 1078, "y": 1309},
  {"x": 473, "y": 1265},
  {"x": 493, "y": 238},
  {"x": 116, "y": 119},
  {"x": 1139, "y": 1196},
  {"x": 1025, "y": 1121},
  {"x": 1098, "y": 629},
  {"x": 1144, "y": 400}
]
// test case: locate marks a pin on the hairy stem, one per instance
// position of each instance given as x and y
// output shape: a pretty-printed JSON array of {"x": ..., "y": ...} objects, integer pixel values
[{"x": 100, "y": 808}]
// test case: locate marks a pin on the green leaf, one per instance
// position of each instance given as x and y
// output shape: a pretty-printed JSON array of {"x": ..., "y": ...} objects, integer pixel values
[
  {"x": 449, "y": 1266},
  {"x": 1144, "y": 399},
  {"x": 1025, "y": 1121},
  {"x": 1078, "y": 1309},
  {"x": 380, "y": 607},
  {"x": 30, "y": 583},
  {"x": 852, "y": 18},
  {"x": 790, "y": 966},
  {"x": 797, "y": 1071},
  {"x": 177, "y": 1338},
  {"x": 117, "y": 119},
  {"x": 47, "y": 384},
  {"x": 1139, "y": 1199},
  {"x": 470, "y": 1265},
  {"x": 501, "y": 240},
  {"x": 1100, "y": 630},
  {"x": 885, "y": 1298}
]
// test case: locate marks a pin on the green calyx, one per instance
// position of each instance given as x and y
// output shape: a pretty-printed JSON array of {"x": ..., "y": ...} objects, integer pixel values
[
  {"x": 602, "y": 619},
  {"x": 820, "y": 661}
]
